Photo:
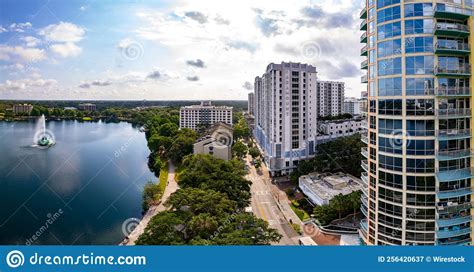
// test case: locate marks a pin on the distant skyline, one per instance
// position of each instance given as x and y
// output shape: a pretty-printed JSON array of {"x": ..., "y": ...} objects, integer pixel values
[{"x": 170, "y": 50}]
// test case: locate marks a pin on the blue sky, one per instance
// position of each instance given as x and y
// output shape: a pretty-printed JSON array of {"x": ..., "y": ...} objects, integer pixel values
[{"x": 169, "y": 50}]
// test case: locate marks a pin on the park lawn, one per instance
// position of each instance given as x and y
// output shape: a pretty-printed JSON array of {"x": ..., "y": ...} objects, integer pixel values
[
  {"x": 302, "y": 215},
  {"x": 86, "y": 119},
  {"x": 163, "y": 178}
]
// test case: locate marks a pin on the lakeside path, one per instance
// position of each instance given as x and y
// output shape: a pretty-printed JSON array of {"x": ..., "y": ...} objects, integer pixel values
[{"x": 171, "y": 187}]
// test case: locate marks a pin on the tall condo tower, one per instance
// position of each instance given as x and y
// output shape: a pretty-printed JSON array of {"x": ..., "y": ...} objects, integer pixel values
[
  {"x": 285, "y": 115},
  {"x": 418, "y": 165}
]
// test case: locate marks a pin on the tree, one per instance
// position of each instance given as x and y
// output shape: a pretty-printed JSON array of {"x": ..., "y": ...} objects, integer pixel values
[
  {"x": 166, "y": 228},
  {"x": 239, "y": 149},
  {"x": 254, "y": 152},
  {"x": 182, "y": 145},
  {"x": 339, "y": 204},
  {"x": 208, "y": 172},
  {"x": 151, "y": 194},
  {"x": 324, "y": 214},
  {"x": 354, "y": 199}
]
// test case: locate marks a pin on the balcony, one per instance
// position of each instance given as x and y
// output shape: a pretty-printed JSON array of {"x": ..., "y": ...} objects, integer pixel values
[
  {"x": 363, "y": 79},
  {"x": 364, "y": 211},
  {"x": 364, "y": 139},
  {"x": 364, "y": 165},
  {"x": 454, "y": 48},
  {"x": 445, "y": 91},
  {"x": 453, "y": 113},
  {"x": 448, "y": 12},
  {"x": 452, "y": 242},
  {"x": 442, "y": 234},
  {"x": 451, "y": 30},
  {"x": 454, "y": 193},
  {"x": 364, "y": 65},
  {"x": 363, "y": 51},
  {"x": 363, "y": 25},
  {"x": 451, "y": 134},
  {"x": 453, "y": 207},
  {"x": 364, "y": 152},
  {"x": 453, "y": 221},
  {"x": 463, "y": 70},
  {"x": 454, "y": 154},
  {"x": 364, "y": 124},
  {"x": 443, "y": 175},
  {"x": 365, "y": 179},
  {"x": 363, "y": 225},
  {"x": 363, "y": 13},
  {"x": 363, "y": 38}
]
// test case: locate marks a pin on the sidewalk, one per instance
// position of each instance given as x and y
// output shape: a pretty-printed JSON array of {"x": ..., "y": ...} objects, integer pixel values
[{"x": 171, "y": 187}]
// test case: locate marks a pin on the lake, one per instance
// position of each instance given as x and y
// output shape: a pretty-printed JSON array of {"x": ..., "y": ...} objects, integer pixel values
[{"x": 80, "y": 191}]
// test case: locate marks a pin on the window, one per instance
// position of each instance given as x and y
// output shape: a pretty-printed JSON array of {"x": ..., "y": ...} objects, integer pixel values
[
  {"x": 419, "y": 65},
  {"x": 420, "y": 200},
  {"x": 418, "y": 44},
  {"x": 420, "y": 107},
  {"x": 420, "y": 127},
  {"x": 390, "y": 106},
  {"x": 390, "y": 195},
  {"x": 384, "y": 3},
  {"x": 418, "y": 26},
  {"x": 420, "y": 147},
  {"x": 390, "y": 145},
  {"x": 390, "y": 86},
  {"x": 419, "y": 86},
  {"x": 388, "y": 48},
  {"x": 391, "y": 67},
  {"x": 372, "y": 89},
  {"x": 391, "y": 163},
  {"x": 420, "y": 166},
  {"x": 421, "y": 183},
  {"x": 391, "y": 180},
  {"x": 388, "y": 14},
  {"x": 389, "y": 30},
  {"x": 421, "y": 9},
  {"x": 388, "y": 126}
]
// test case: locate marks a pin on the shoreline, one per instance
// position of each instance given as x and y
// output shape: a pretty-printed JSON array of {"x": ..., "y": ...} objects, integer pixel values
[{"x": 171, "y": 187}]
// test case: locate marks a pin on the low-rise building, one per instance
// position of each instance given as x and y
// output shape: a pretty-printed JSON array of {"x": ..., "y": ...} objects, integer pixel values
[
  {"x": 205, "y": 114},
  {"x": 87, "y": 107},
  {"x": 340, "y": 128},
  {"x": 216, "y": 142},
  {"x": 22, "y": 109},
  {"x": 321, "y": 188}
]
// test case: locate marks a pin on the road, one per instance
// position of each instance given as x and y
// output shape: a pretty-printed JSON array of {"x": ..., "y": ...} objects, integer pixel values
[
  {"x": 171, "y": 187},
  {"x": 264, "y": 205}
]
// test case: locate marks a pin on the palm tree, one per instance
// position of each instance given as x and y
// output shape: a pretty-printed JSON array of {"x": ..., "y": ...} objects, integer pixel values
[
  {"x": 354, "y": 199},
  {"x": 339, "y": 203}
]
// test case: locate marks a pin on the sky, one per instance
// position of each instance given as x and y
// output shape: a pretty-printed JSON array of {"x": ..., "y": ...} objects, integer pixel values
[{"x": 170, "y": 50}]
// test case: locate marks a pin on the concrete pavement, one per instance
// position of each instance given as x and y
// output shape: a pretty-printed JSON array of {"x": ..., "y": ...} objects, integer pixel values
[
  {"x": 265, "y": 206},
  {"x": 171, "y": 187}
]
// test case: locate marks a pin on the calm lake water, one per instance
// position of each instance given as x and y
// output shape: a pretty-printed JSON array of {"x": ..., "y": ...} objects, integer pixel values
[{"x": 94, "y": 174}]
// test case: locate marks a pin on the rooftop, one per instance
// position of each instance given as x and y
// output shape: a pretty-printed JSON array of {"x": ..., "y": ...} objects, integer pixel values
[{"x": 327, "y": 186}]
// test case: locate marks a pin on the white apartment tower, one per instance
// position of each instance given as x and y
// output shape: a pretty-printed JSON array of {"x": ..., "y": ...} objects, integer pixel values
[
  {"x": 330, "y": 96},
  {"x": 285, "y": 115},
  {"x": 205, "y": 114},
  {"x": 251, "y": 104}
]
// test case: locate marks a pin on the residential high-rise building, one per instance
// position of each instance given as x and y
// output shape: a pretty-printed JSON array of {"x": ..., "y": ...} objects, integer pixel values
[
  {"x": 418, "y": 165},
  {"x": 352, "y": 106},
  {"x": 22, "y": 108},
  {"x": 204, "y": 115},
  {"x": 285, "y": 115},
  {"x": 330, "y": 97},
  {"x": 251, "y": 103},
  {"x": 87, "y": 107}
]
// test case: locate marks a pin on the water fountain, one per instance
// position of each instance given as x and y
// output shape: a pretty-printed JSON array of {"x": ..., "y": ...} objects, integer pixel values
[{"x": 43, "y": 137}]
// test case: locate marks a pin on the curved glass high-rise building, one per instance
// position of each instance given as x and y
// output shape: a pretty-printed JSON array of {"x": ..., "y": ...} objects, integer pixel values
[{"x": 418, "y": 163}]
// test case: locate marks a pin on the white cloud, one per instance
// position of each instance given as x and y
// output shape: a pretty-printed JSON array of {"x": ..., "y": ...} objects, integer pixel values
[
  {"x": 30, "y": 41},
  {"x": 20, "y": 27},
  {"x": 21, "y": 54},
  {"x": 82, "y": 8},
  {"x": 27, "y": 83},
  {"x": 65, "y": 50},
  {"x": 62, "y": 32}
]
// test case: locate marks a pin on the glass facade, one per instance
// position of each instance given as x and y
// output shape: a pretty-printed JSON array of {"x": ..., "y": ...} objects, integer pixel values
[{"x": 417, "y": 165}]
